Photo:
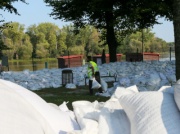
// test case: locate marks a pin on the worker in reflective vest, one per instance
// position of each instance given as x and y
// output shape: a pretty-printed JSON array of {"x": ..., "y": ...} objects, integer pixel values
[{"x": 93, "y": 71}]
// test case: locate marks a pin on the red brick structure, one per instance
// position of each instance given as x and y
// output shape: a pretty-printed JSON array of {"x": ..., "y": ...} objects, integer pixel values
[
  {"x": 134, "y": 57},
  {"x": 96, "y": 57},
  {"x": 70, "y": 61},
  {"x": 151, "y": 56},
  {"x": 77, "y": 60}
]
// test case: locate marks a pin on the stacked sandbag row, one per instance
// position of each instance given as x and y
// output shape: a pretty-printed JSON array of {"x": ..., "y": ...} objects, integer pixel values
[{"x": 147, "y": 75}]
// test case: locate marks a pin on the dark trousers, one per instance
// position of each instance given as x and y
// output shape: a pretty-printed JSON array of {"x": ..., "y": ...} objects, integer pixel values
[
  {"x": 98, "y": 79},
  {"x": 90, "y": 87}
]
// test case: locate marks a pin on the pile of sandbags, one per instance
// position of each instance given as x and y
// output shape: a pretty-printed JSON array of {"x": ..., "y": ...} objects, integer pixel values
[
  {"x": 128, "y": 111},
  {"x": 24, "y": 112},
  {"x": 147, "y": 75}
]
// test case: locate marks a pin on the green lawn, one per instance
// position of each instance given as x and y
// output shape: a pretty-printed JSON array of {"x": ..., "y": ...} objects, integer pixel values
[{"x": 59, "y": 95}]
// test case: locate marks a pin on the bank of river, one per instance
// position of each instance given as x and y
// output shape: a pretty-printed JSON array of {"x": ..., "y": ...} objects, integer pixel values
[
  {"x": 41, "y": 64},
  {"x": 35, "y": 65}
]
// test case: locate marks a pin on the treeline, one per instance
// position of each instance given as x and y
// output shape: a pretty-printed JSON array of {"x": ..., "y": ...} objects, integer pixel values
[{"x": 47, "y": 40}]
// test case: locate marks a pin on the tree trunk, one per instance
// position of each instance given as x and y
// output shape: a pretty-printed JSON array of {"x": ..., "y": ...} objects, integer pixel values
[
  {"x": 110, "y": 37},
  {"x": 103, "y": 57},
  {"x": 176, "y": 23}
]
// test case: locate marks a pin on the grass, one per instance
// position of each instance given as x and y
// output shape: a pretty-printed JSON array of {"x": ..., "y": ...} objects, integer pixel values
[{"x": 61, "y": 94}]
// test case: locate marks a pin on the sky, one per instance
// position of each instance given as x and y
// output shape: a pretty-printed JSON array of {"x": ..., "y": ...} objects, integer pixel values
[{"x": 37, "y": 12}]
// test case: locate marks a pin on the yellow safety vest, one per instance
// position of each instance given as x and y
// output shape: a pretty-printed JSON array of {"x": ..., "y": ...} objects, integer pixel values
[{"x": 94, "y": 65}]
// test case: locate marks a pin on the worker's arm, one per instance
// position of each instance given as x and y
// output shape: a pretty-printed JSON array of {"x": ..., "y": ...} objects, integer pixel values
[{"x": 92, "y": 68}]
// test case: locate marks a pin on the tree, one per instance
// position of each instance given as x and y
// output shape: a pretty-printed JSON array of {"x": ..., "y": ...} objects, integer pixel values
[
  {"x": 88, "y": 37},
  {"x": 70, "y": 36},
  {"x": 32, "y": 32},
  {"x": 103, "y": 14},
  {"x": 171, "y": 11},
  {"x": 61, "y": 38},
  {"x": 7, "y": 5},
  {"x": 15, "y": 39},
  {"x": 133, "y": 43},
  {"x": 176, "y": 22},
  {"x": 51, "y": 32},
  {"x": 115, "y": 17}
]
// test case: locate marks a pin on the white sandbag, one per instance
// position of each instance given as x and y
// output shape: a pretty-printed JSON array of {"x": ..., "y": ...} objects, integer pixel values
[
  {"x": 81, "y": 108},
  {"x": 94, "y": 115},
  {"x": 153, "y": 82},
  {"x": 129, "y": 90},
  {"x": 171, "y": 78},
  {"x": 98, "y": 105},
  {"x": 117, "y": 92},
  {"x": 81, "y": 103},
  {"x": 113, "y": 119},
  {"x": 75, "y": 132},
  {"x": 54, "y": 105},
  {"x": 142, "y": 88},
  {"x": 164, "y": 83},
  {"x": 95, "y": 84},
  {"x": 138, "y": 74},
  {"x": 168, "y": 89},
  {"x": 18, "y": 116},
  {"x": 59, "y": 121},
  {"x": 55, "y": 85},
  {"x": 63, "y": 107},
  {"x": 105, "y": 94},
  {"x": 104, "y": 85},
  {"x": 93, "y": 111},
  {"x": 177, "y": 94},
  {"x": 124, "y": 81},
  {"x": 152, "y": 87},
  {"x": 133, "y": 89},
  {"x": 138, "y": 80},
  {"x": 178, "y": 81},
  {"x": 71, "y": 86},
  {"x": 151, "y": 112},
  {"x": 162, "y": 76},
  {"x": 111, "y": 90}
]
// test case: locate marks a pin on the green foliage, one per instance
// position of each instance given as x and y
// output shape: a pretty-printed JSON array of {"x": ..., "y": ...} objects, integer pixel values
[
  {"x": 133, "y": 43},
  {"x": 6, "y": 5},
  {"x": 14, "y": 38},
  {"x": 101, "y": 14},
  {"x": 45, "y": 34},
  {"x": 41, "y": 51},
  {"x": 59, "y": 42},
  {"x": 88, "y": 37},
  {"x": 61, "y": 45},
  {"x": 115, "y": 19}
]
